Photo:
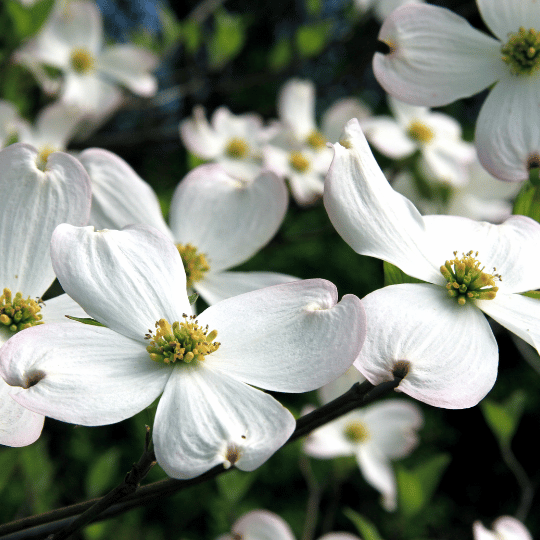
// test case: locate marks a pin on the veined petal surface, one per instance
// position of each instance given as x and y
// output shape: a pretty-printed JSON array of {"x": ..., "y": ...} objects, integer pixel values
[
  {"x": 227, "y": 219},
  {"x": 120, "y": 196},
  {"x": 435, "y": 56},
  {"x": 126, "y": 279},
  {"x": 504, "y": 16},
  {"x": 451, "y": 352},
  {"x": 32, "y": 204},
  {"x": 368, "y": 214},
  {"x": 81, "y": 374},
  {"x": 289, "y": 338},
  {"x": 205, "y": 418}
]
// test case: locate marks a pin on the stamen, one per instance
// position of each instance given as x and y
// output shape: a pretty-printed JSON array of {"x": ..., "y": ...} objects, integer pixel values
[
  {"x": 237, "y": 148},
  {"x": 195, "y": 263},
  {"x": 82, "y": 61},
  {"x": 316, "y": 140},
  {"x": 43, "y": 156},
  {"x": 299, "y": 162},
  {"x": 184, "y": 341},
  {"x": 16, "y": 314},
  {"x": 522, "y": 51},
  {"x": 467, "y": 281},
  {"x": 356, "y": 432},
  {"x": 420, "y": 132}
]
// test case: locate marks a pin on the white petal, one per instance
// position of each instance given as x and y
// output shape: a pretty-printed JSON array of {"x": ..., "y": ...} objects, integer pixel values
[
  {"x": 505, "y": 527},
  {"x": 56, "y": 309},
  {"x": 329, "y": 441},
  {"x": 306, "y": 188},
  {"x": 32, "y": 204},
  {"x": 339, "y": 536},
  {"x": 56, "y": 125},
  {"x": 90, "y": 93},
  {"x": 205, "y": 418},
  {"x": 129, "y": 65},
  {"x": 368, "y": 214},
  {"x": 18, "y": 426},
  {"x": 217, "y": 286},
  {"x": 504, "y": 16},
  {"x": 510, "y": 247},
  {"x": 342, "y": 384},
  {"x": 81, "y": 374},
  {"x": 290, "y": 338},
  {"x": 520, "y": 314},
  {"x": 508, "y": 128},
  {"x": 435, "y": 56},
  {"x": 340, "y": 112},
  {"x": 200, "y": 137},
  {"x": 120, "y": 196},
  {"x": 227, "y": 219},
  {"x": 451, "y": 351},
  {"x": 262, "y": 525},
  {"x": 296, "y": 107},
  {"x": 126, "y": 279},
  {"x": 379, "y": 473},
  {"x": 388, "y": 137}
]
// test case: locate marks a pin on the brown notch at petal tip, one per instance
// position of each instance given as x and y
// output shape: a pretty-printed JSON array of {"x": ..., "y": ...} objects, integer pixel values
[
  {"x": 232, "y": 455},
  {"x": 401, "y": 369},
  {"x": 33, "y": 378},
  {"x": 533, "y": 161}
]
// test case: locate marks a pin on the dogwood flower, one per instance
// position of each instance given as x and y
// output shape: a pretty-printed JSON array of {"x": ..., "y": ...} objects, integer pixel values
[
  {"x": 36, "y": 197},
  {"x": 233, "y": 141},
  {"x": 298, "y": 152},
  {"x": 433, "y": 333},
  {"x": 286, "y": 338},
  {"x": 375, "y": 435},
  {"x": 436, "y": 57},
  {"x": 216, "y": 221},
  {"x": 504, "y": 528},
  {"x": 265, "y": 525},
  {"x": 72, "y": 41},
  {"x": 436, "y": 136}
]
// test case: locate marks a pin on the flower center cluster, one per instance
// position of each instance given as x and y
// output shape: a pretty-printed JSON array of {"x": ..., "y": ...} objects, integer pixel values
[
  {"x": 17, "y": 313},
  {"x": 420, "y": 132},
  {"x": 299, "y": 162},
  {"x": 195, "y": 263},
  {"x": 356, "y": 432},
  {"x": 467, "y": 281},
  {"x": 82, "y": 61},
  {"x": 237, "y": 148},
  {"x": 316, "y": 140},
  {"x": 183, "y": 341},
  {"x": 522, "y": 51},
  {"x": 43, "y": 156}
]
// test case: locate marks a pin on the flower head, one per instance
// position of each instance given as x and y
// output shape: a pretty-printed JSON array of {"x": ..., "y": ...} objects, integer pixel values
[{"x": 504, "y": 528}]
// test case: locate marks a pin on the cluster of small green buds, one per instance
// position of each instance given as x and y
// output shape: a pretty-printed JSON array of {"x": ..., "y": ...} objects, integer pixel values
[
  {"x": 299, "y": 162},
  {"x": 316, "y": 140},
  {"x": 522, "y": 51},
  {"x": 237, "y": 148},
  {"x": 17, "y": 313},
  {"x": 195, "y": 263},
  {"x": 82, "y": 61},
  {"x": 356, "y": 432},
  {"x": 184, "y": 341},
  {"x": 467, "y": 281},
  {"x": 418, "y": 131}
]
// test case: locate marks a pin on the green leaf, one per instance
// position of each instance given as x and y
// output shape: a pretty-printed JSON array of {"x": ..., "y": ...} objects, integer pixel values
[
  {"x": 527, "y": 202},
  {"x": 417, "y": 486},
  {"x": 280, "y": 55},
  {"x": 85, "y": 320},
  {"x": 313, "y": 7},
  {"x": 104, "y": 473},
  {"x": 38, "y": 473},
  {"x": 192, "y": 298},
  {"x": 312, "y": 38},
  {"x": 171, "y": 29},
  {"x": 191, "y": 35},
  {"x": 503, "y": 419},
  {"x": 234, "y": 485},
  {"x": 366, "y": 529},
  {"x": 28, "y": 20},
  {"x": 228, "y": 38},
  {"x": 394, "y": 276},
  {"x": 532, "y": 294},
  {"x": 194, "y": 161}
]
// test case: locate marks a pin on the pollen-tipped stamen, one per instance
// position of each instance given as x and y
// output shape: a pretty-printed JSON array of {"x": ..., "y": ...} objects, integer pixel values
[
  {"x": 16, "y": 313},
  {"x": 195, "y": 263},
  {"x": 522, "y": 51}
]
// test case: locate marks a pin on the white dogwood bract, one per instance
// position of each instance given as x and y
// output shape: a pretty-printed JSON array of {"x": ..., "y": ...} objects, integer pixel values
[
  {"x": 72, "y": 41},
  {"x": 288, "y": 338},
  {"x": 504, "y": 528},
  {"x": 36, "y": 197},
  {"x": 226, "y": 219},
  {"x": 443, "y": 344},
  {"x": 436, "y": 57}
]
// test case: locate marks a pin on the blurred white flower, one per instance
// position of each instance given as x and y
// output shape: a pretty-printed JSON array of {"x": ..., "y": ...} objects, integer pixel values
[
  {"x": 217, "y": 221},
  {"x": 287, "y": 338},
  {"x": 36, "y": 196},
  {"x": 504, "y": 528},
  {"x": 436, "y": 57},
  {"x": 434, "y": 333},
  {"x": 375, "y": 435},
  {"x": 72, "y": 41},
  {"x": 382, "y": 8},
  {"x": 9, "y": 118}
]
